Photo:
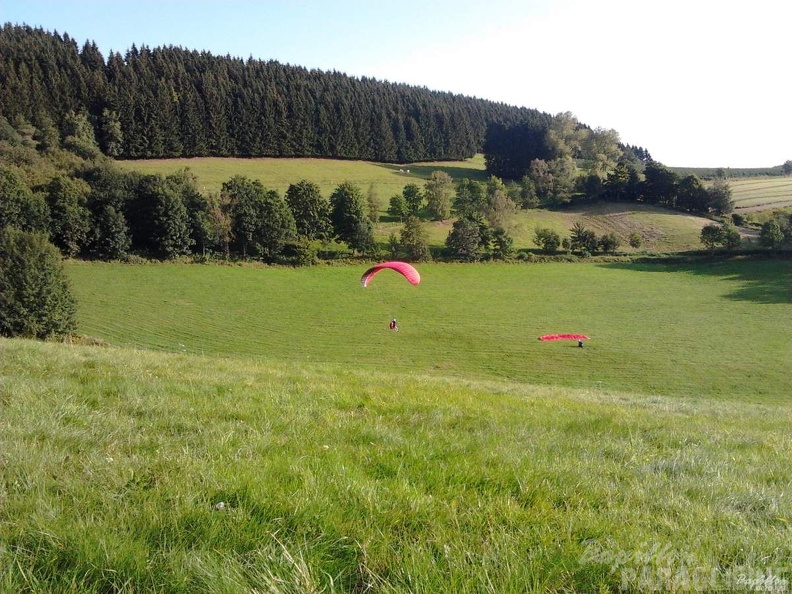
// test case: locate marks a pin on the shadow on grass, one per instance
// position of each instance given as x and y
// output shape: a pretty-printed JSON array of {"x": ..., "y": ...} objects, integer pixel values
[{"x": 761, "y": 279}]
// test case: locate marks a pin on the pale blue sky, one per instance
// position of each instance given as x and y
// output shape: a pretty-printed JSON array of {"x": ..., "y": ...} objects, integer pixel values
[{"x": 696, "y": 82}]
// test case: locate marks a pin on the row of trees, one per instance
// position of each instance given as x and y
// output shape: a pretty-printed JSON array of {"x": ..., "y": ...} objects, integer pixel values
[
  {"x": 174, "y": 102},
  {"x": 774, "y": 233},
  {"x": 582, "y": 241},
  {"x": 108, "y": 214},
  {"x": 562, "y": 161},
  {"x": 90, "y": 208}
]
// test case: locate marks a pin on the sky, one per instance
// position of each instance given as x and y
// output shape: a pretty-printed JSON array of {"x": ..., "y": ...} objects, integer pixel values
[{"x": 698, "y": 83}]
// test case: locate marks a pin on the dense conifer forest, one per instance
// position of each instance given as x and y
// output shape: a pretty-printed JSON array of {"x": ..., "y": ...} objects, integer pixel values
[{"x": 174, "y": 102}]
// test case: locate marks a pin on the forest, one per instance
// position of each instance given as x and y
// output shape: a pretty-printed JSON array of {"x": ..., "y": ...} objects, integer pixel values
[{"x": 174, "y": 102}]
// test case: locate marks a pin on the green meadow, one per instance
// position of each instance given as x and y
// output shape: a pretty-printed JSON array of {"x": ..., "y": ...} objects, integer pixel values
[
  {"x": 127, "y": 470},
  {"x": 246, "y": 429},
  {"x": 278, "y": 174},
  {"x": 717, "y": 330}
]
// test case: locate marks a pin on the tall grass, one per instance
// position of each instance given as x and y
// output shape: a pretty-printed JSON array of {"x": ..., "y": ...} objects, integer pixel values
[{"x": 131, "y": 471}]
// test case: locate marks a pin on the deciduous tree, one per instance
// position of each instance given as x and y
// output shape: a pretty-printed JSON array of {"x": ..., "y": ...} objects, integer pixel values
[
  {"x": 711, "y": 236},
  {"x": 609, "y": 243},
  {"x": 19, "y": 206},
  {"x": 771, "y": 234},
  {"x": 547, "y": 239},
  {"x": 438, "y": 190},
  {"x": 311, "y": 210},
  {"x": 464, "y": 241},
  {"x": 70, "y": 219}
]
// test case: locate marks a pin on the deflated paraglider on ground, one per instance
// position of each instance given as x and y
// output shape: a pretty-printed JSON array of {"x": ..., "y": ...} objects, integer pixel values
[
  {"x": 564, "y": 337},
  {"x": 406, "y": 270}
]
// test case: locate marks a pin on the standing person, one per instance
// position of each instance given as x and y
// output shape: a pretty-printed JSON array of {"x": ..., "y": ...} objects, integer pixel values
[{"x": 393, "y": 326}]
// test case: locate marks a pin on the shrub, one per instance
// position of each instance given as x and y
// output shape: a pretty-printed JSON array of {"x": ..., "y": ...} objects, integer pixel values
[
  {"x": 299, "y": 253},
  {"x": 609, "y": 243},
  {"x": 35, "y": 298},
  {"x": 547, "y": 239}
]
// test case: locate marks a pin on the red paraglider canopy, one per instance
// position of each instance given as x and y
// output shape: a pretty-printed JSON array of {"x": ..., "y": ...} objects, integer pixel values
[
  {"x": 564, "y": 337},
  {"x": 406, "y": 270}
]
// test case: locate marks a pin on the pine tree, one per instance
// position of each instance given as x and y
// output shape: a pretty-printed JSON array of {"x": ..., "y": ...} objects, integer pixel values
[{"x": 35, "y": 298}]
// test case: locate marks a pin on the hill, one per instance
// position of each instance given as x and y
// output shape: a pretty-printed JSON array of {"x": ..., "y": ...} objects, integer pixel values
[
  {"x": 133, "y": 471},
  {"x": 662, "y": 230},
  {"x": 278, "y": 174}
]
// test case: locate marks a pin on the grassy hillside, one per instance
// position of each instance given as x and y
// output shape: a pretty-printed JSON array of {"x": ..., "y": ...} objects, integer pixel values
[
  {"x": 715, "y": 330},
  {"x": 662, "y": 230},
  {"x": 131, "y": 471},
  {"x": 278, "y": 174},
  {"x": 761, "y": 193},
  {"x": 289, "y": 442}
]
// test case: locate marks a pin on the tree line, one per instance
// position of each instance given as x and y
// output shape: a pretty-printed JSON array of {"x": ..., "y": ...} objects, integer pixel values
[
  {"x": 568, "y": 163},
  {"x": 173, "y": 102}
]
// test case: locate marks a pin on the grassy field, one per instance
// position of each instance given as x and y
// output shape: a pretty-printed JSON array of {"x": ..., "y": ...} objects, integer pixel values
[
  {"x": 279, "y": 174},
  {"x": 257, "y": 429},
  {"x": 715, "y": 330},
  {"x": 139, "y": 471},
  {"x": 661, "y": 230},
  {"x": 761, "y": 193}
]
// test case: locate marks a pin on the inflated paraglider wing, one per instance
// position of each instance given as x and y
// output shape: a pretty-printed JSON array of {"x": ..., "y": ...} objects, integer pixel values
[
  {"x": 406, "y": 270},
  {"x": 564, "y": 337}
]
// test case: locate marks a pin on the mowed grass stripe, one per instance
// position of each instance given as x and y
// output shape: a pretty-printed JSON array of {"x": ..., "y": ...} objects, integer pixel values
[
  {"x": 761, "y": 191},
  {"x": 710, "y": 330}
]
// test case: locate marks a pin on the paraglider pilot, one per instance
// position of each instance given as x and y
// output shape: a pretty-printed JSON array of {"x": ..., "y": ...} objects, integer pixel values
[
  {"x": 580, "y": 343},
  {"x": 393, "y": 326}
]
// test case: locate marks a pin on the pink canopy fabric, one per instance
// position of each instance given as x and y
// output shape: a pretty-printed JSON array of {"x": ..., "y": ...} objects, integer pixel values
[
  {"x": 564, "y": 337},
  {"x": 406, "y": 270}
]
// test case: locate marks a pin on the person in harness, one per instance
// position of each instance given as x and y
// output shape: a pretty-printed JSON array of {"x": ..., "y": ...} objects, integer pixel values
[{"x": 393, "y": 326}]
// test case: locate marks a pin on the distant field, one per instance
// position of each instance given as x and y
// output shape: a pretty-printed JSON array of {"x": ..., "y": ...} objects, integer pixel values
[
  {"x": 715, "y": 330},
  {"x": 662, "y": 230},
  {"x": 279, "y": 174},
  {"x": 761, "y": 193}
]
